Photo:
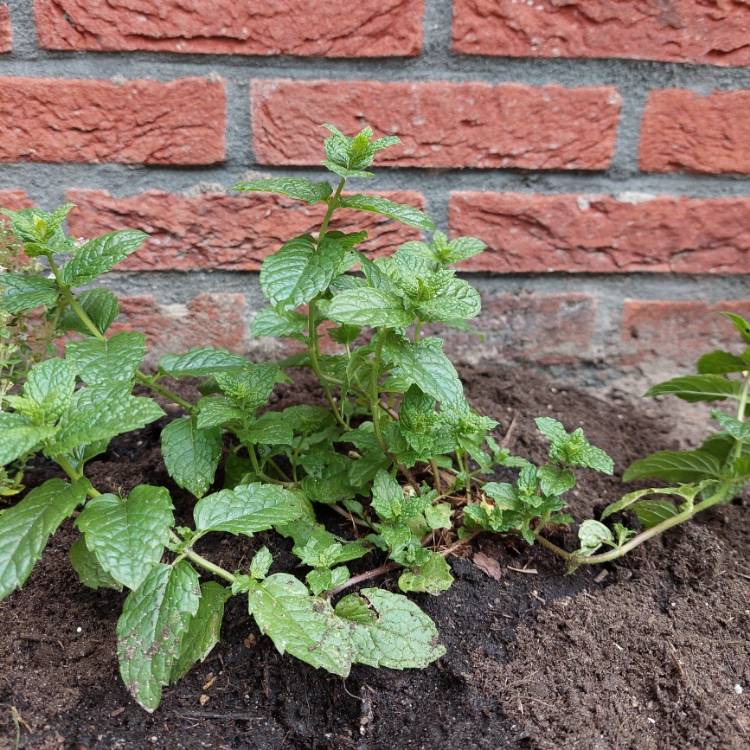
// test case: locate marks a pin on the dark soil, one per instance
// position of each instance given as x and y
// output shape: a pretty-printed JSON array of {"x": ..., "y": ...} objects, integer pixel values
[{"x": 643, "y": 654}]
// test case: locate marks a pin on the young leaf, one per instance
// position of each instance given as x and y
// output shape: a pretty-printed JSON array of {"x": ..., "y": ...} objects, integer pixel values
[
  {"x": 216, "y": 411},
  {"x": 400, "y": 636},
  {"x": 592, "y": 535},
  {"x": 719, "y": 362},
  {"x": 20, "y": 436},
  {"x": 26, "y": 527},
  {"x": 269, "y": 429},
  {"x": 99, "y": 255},
  {"x": 433, "y": 577},
  {"x": 261, "y": 563},
  {"x": 675, "y": 466},
  {"x": 457, "y": 300},
  {"x": 154, "y": 621},
  {"x": 402, "y": 212},
  {"x": 694, "y": 388},
  {"x": 23, "y": 292},
  {"x": 387, "y": 497},
  {"x": 298, "y": 188},
  {"x": 247, "y": 509},
  {"x": 653, "y": 512},
  {"x": 201, "y": 362},
  {"x": 107, "y": 361},
  {"x": 128, "y": 536},
  {"x": 369, "y": 307},
  {"x": 204, "y": 630},
  {"x": 100, "y": 305},
  {"x": 191, "y": 455},
  {"x": 300, "y": 624},
  {"x": 271, "y": 322},
  {"x": 739, "y": 430},
  {"x": 740, "y": 324},
  {"x": 687, "y": 492}
]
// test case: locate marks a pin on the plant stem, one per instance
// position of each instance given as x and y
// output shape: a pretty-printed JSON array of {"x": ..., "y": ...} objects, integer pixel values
[
  {"x": 83, "y": 316},
  {"x": 741, "y": 409},
  {"x": 604, "y": 557}
]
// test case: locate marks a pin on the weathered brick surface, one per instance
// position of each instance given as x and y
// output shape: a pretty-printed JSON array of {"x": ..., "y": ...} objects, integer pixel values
[
  {"x": 220, "y": 231},
  {"x": 209, "y": 319},
  {"x": 6, "y": 35},
  {"x": 712, "y": 32},
  {"x": 685, "y": 131},
  {"x": 530, "y": 233},
  {"x": 542, "y": 328},
  {"x": 148, "y": 122},
  {"x": 15, "y": 199},
  {"x": 676, "y": 331},
  {"x": 335, "y": 28},
  {"x": 441, "y": 124}
]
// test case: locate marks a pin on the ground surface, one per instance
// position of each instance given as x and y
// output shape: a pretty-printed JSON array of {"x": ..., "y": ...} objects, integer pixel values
[{"x": 645, "y": 654}]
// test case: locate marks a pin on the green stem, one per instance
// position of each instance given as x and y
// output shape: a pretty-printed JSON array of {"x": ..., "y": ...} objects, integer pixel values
[
  {"x": 741, "y": 409},
  {"x": 83, "y": 316},
  {"x": 575, "y": 560}
]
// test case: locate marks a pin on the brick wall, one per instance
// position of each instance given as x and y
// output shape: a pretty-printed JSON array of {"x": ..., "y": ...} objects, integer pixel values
[{"x": 601, "y": 148}]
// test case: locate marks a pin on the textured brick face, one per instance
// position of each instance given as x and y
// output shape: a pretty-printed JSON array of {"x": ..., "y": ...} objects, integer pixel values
[
  {"x": 677, "y": 331},
  {"x": 14, "y": 200},
  {"x": 441, "y": 124},
  {"x": 148, "y": 122},
  {"x": 6, "y": 35},
  {"x": 219, "y": 231},
  {"x": 702, "y": 31},
  {"x": 528, "y": 233},
  {"x": 683, "y": 131},
  {"x": 334, "y": 28}
]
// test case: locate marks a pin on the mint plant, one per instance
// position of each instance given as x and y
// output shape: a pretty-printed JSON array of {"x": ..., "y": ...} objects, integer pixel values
[{"x": 695, "y": 480}]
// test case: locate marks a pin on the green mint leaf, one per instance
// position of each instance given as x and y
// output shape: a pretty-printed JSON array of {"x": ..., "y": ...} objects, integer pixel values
[
  {"x": 100, "y": 412},
  {"x": 345, "y": 171},
  {"x": 433, "y": 577},
  {"x": 269, "y": 429},
  {"x": 106, "y": 361},
  {"x": 675, "y": 466},
  {"x": 424, "y": 364},
  {"x": 250, "y": 387},
  {"x": 26, "y": 527},
  {"x": 298, "y": 188},
  {"x": 460, "y": 249},
  {"x": 40, "y": 231},
  {"x": 100, "y": 305},
  {"x": 50, "y": 385},
  {"x": 325, "y": 579},
  {"x": 247, "y": 509},
  {"x": 387, "y": 497},
  {"x": 740, "y": 324},
  {"x": 20, "y": 436},
  {"x": 128, "y": 536},
  {"x": 693, "y": 388},
  {"x": 271, "y": 322},
  {"x": 23, "y": 292},
  {"x": 154, "y": 621},
  {"x": 439, "y": 516},
  {"x": 302, "y": 625},
  {"x": 402, "y": 212},
  {"x": 653, "y": 512},
  {"x": 191, "y": 455},
  {"x": 215, "y": 411},
  {"x": 99, "y": 255},
  {"x": 457, "y": 300},
  {"x": 732, "y": 426},
  {"x": 719, "y": 362},
  {"x": 401, "y": 635},
  {"x": 201, "y": 362},
  {"x": 355, "y": 608},
  {"x": 369, "y": 307},
  {"x": 204, "y": 630},
  {"x": 261, "y": 563},
  {"x": 688, "y": 492},
  {"x": 591, "y": 536},
  {"x": 90, "y": 572}
]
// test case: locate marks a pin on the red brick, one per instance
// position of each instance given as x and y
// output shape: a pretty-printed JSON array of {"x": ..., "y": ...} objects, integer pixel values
[
  {"x": 15, "y": 199},
  {"x": 713, "y": 32},
  {"x": 541, "y": 328},
  {"x": 530, "y": 233},
  {"x": 220, "y": 231},
  {"x": 653, "y": 332},
  {"x": 209, "y": 319},
  {"x": 130, "y": 122},
  {"x": 335, "y": 28},
  {"x": 6, "y": 34},
  {"x": 684, "y": 131},
  {"x": 440, "y": 124}
]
